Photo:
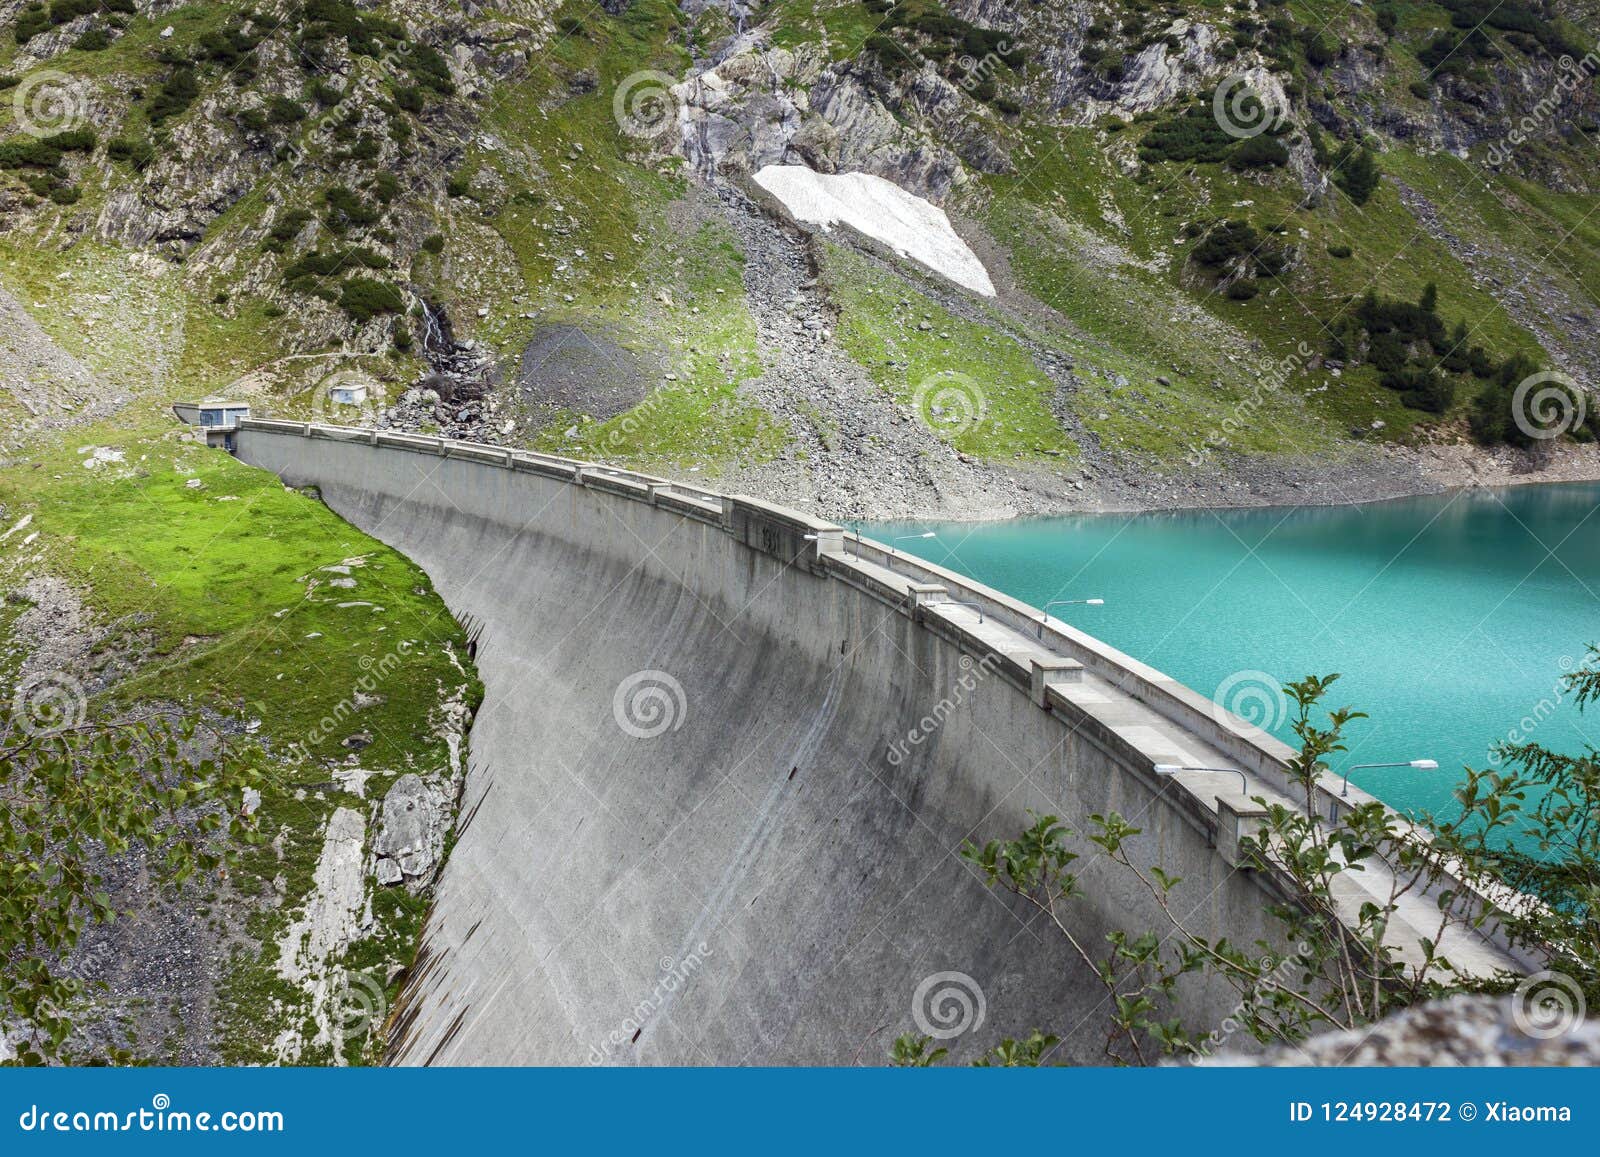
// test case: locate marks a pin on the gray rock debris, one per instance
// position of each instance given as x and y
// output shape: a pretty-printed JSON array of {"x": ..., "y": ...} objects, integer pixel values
[
  {"x": 1481, "y": 1031},
  {"x": 411, "y": 831}
]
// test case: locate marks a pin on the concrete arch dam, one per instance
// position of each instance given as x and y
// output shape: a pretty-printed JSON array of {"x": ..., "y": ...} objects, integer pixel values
[{"x": 725, "y": 760}]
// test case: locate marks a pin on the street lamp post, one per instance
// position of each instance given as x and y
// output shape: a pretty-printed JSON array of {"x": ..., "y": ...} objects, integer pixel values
[
  {"x": 1419, "y": 764},
  {"x": 1044, "y": 611},
  {"x": 1172, "y": 769},
  {"x": 906, "y": 538}
]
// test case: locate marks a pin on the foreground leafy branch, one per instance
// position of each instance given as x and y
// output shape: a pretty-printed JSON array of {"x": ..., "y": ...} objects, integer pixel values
[{"x": 1523, "y": 853}]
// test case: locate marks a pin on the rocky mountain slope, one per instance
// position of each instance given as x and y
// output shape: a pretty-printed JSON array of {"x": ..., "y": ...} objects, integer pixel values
[{"x": 1243, "y": 251}]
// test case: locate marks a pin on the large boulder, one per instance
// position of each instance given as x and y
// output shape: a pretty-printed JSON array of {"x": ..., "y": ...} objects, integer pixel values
[{"x": 411, "y": 831}]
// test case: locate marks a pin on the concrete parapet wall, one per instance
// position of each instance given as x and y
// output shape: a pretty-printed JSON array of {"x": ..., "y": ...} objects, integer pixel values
[{"x": 756, "y": 861}]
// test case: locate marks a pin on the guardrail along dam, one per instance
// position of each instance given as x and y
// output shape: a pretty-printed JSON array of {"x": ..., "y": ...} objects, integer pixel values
[{"x": 726, "y": 759}]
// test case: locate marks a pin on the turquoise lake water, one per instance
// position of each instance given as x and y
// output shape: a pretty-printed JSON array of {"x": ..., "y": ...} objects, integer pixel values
[{"x": 1451, "y": 619}]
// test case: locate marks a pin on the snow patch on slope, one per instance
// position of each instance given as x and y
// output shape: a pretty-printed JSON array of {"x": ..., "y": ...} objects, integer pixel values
[{"x": 881, "y": 210}]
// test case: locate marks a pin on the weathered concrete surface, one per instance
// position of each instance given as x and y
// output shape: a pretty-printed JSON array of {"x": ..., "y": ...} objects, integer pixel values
[{"x": 699, "y": 829}]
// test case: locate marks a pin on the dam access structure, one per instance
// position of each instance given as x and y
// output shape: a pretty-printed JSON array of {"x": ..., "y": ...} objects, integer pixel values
[{"x": 727, "y": 757}]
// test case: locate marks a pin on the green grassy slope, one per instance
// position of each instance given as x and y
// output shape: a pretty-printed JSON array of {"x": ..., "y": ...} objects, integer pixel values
[{"x": 213, "y": 576}]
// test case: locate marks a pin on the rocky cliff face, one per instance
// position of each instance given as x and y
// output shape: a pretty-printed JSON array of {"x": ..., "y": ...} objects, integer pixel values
[{"x": 337, "y": 180}]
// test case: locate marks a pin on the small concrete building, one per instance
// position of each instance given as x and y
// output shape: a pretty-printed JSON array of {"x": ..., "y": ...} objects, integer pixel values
[
  {"x": 214, "y": 419},
  {"x": 348, "y": 394}
]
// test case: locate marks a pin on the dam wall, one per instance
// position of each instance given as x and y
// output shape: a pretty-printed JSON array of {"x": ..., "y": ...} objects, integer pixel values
[{"x": 727, "y": 758}]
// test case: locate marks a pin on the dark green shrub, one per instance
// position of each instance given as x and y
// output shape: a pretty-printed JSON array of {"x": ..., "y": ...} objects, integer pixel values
[
  {"x": 347, "y": 209},
  {"x": 1193, "y": 135},
  {"x": 1357, "y": 173},
  {"x": 1319, "y": 53},
  {"x": 290, "y": 225},
  {"x": 891, "y": 55},
  {"x": 138, "y": 151},
  {"x": 1259, "y": 152},
  {"x": 283, "y": 111},
  {"x": 428, "y": 69},
  {"x": 177, "y": 92},
  {"x": 93, "y": 40},
  {"x": 364, "y": 299}
]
